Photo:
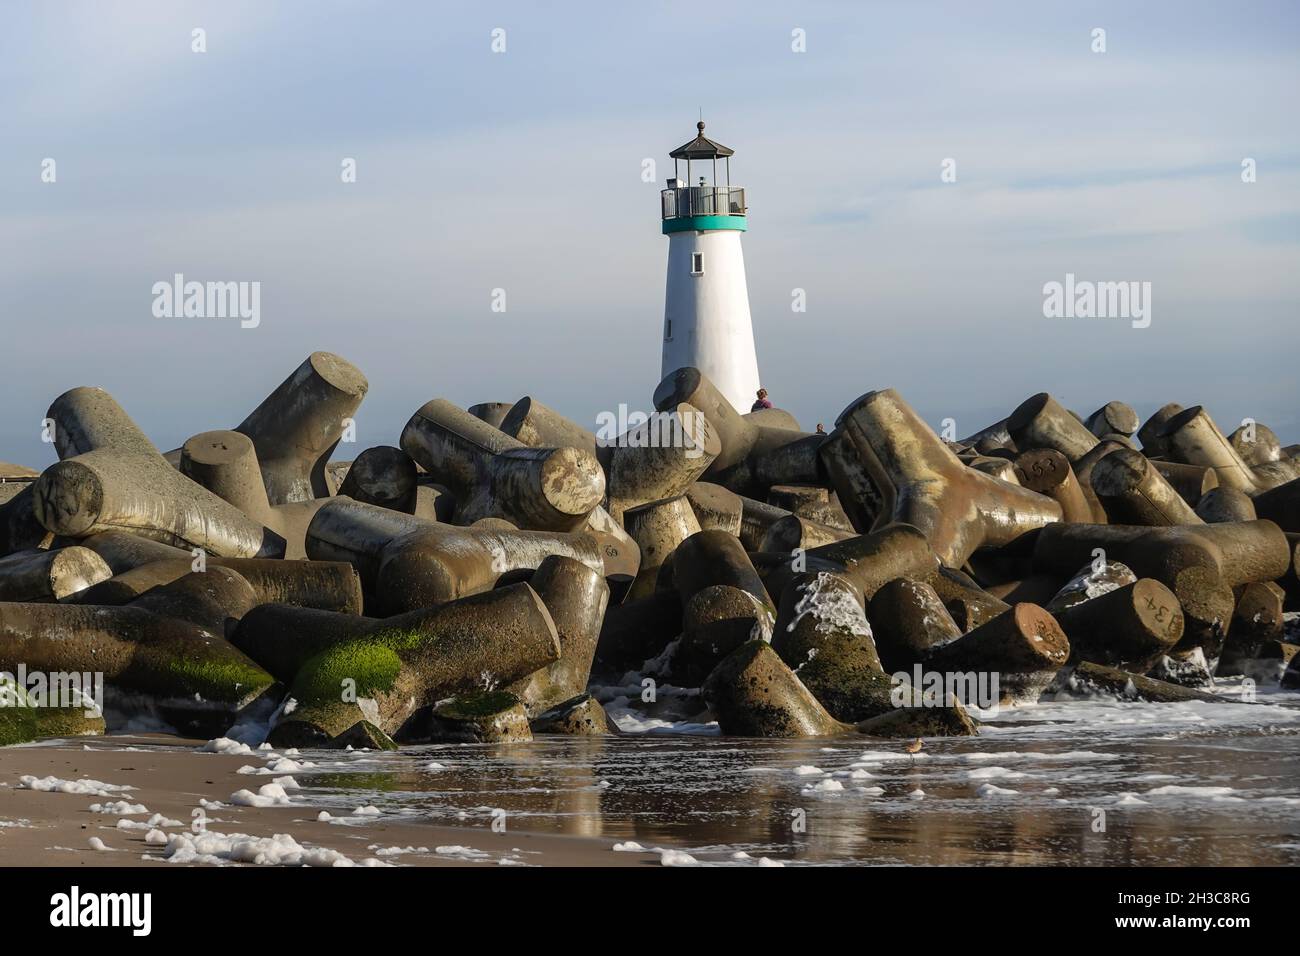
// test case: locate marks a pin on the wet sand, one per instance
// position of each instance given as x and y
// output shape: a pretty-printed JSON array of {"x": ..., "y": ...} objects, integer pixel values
[{"x": 55, "y": 829}]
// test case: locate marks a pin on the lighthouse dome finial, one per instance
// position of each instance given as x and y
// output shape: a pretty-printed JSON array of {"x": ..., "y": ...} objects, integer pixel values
[{"x": 700, "y": 126}]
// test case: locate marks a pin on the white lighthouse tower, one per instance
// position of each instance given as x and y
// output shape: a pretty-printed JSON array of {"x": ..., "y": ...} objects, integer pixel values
[{"x": 706, "y": 302}]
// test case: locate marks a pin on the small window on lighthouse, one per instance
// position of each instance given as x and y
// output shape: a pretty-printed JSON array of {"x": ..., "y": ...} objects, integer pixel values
[
  {"x": 697, "y": 263},
  {"x": 668, "y": 330}
]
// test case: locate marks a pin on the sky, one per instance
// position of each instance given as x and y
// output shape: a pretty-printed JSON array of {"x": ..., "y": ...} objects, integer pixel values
[{"x": 521, "y": 170}]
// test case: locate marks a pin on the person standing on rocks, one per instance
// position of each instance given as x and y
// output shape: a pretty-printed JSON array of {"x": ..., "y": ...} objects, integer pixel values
[{"x": 762, "y": 401}]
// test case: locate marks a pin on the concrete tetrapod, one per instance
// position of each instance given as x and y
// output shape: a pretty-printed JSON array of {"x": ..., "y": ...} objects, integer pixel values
[
  {"x": 872, "y": 560},
  {"x": 1256, "y": 443},
  {"x": 1083, "y": 469},
  {"x": 1238, "y": 551},
  {"x": 661, "y": 458},
  {"x": 823, "y": 634},
  {"x": 1032, "y": 588},
  {"x": 1089, "y": 679},
  {"x": 1113, "y": 417},
  {"x": 815, "y": 608},
  {"x": 658, "y": 528},
  {"x": 19, "y": 529},
  {"x": 1093, "y": 581},
  {"x": 283, "y": 637},
  {"x": 1207, "y": 603},
  {"x": 296, "y": 427},
  {"x": 756, "y": 519},
  {"x": 479, "y": 717},
  {"x": 1041, "y": 422},
  {"x": 1130, "y": 627},
  {"x": 126, "y": 587},
  {"x": 908, "y": 621},
  {"x": 752, "y": 693},
  {"x": 1192, "y": 438},
  {"x": 1000, "y": 468},
  {"x": 1192, "y": 482},
  {"x": 991, "y": 437},
  {"x": 1256, "y": 620},
  {"x": 139, "y": 564},
  {"x": 384, "y": 476},
  {"x": 214, "y": 599},
  {"x": 1023, "y": 649},
  {"x": 194, "y": 679},
  {"x": 922, "y": 718},
  {"x": 331, "y": 585},
  {"x": 724, "y": 602},
  {"x": 576, "y": 598},
  {"x": 412, "y": 661},
  {"x": 1133, "y": 491},
  {"x": 225, "y": 463},
  {"x": 813, "y": 502},
  {"x": 580, "y": 716},
  {"x": 968, "y": 603},
  {"x": 50, "y": 575},
  {"x": 494, "y": 413},
  {"x": 887, "y": 466},
  {"x": 1281, "y": 505},
  {"x": 535, "y": 425},
  {"x": 1225, "y": 504},
  {"x": 407, "y": 562},
  {"x": 25, "y": 716},
  {"x": 494, "y": 475},
  {"x": 753, "y": 456},
  {"x": 773, "y": 418},
  {"x": 794, "y": 532},
  {"x": 709, "y": 558},
  {"x": 1271, "y": 474},
  {"x": 112, "y": 478},
  {"x": 1048, "y": 472},
  {"x": 715, "y": 507},
  {"x": 1150, "y": 434}
]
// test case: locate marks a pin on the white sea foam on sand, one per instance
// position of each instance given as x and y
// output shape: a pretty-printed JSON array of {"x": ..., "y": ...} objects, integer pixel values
[
  {"x": 90, "y": 788},
  {"x": 153, "y": 823},
  {"x": 279, "y": 850},
  {"x": 120, "y": 808},
  {"x": 224, "y": 745},
  {"x": 994, "y": 773},
  {"x": 268, "y": 795}
]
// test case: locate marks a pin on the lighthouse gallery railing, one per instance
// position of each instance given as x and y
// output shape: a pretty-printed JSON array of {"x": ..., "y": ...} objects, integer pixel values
[{"x": 703, "y": 201}]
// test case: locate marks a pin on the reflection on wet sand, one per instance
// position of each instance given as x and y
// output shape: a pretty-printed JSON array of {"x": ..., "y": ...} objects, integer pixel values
[{"x": 1083, "y": 783}]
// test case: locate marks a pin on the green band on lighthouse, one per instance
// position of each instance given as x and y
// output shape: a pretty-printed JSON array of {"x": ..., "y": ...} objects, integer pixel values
[{"x": 701, "y": 223}]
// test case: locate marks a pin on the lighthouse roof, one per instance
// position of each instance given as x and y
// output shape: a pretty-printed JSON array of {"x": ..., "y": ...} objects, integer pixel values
[{"x": 701, "y": 147}]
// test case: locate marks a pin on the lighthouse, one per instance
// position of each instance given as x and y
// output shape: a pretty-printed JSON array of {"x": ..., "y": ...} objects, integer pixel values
[{"x": 706, "y": 301}]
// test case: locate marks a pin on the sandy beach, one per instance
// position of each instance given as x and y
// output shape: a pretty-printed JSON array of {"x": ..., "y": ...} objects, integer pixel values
[{"x": 51, "y": 828}]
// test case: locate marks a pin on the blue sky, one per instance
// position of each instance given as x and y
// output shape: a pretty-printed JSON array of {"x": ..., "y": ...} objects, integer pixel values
[{"x": 522, "y": 171}]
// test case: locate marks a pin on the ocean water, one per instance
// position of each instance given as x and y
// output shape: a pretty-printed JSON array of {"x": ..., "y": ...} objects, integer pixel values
[{"x": 1093, "y": 782}]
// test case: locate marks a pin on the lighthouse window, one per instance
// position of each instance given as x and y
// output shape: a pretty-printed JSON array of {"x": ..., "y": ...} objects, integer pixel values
[
  {"x": 668, "y": 330},
  {"x": 697, "y": 263}
]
